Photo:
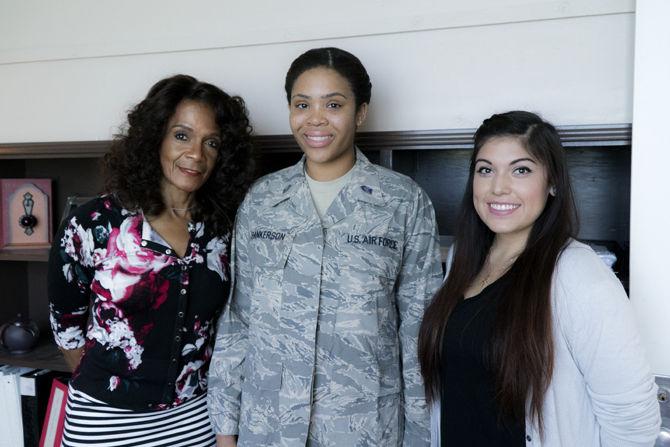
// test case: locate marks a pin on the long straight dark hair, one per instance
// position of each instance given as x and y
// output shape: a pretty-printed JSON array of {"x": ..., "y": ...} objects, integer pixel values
[{"x": 522, "y": 348}]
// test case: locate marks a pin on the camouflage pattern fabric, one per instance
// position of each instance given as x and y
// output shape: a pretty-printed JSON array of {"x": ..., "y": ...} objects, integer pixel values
[{"x": 317, "y": 345}]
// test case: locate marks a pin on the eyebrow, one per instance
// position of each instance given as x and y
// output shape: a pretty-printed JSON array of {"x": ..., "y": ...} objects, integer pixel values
[
  {"x": 519, "y": 160},
  {"x": 513, "y": 162},
  {"x": 329, "y": 95},
  {"x": 186, "y": 126}
]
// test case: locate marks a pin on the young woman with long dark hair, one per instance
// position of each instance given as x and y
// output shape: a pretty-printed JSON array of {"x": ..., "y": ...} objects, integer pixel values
[{"x": 531, "y": 339}]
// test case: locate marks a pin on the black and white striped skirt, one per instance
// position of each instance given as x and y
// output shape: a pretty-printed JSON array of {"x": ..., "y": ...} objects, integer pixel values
[{"x": 89, "y": 421}]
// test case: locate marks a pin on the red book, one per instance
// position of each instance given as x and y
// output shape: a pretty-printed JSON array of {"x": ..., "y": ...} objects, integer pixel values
[{"x": 52, "y": 430}]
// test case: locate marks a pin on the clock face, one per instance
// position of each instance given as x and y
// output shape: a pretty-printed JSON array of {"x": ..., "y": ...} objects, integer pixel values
[{"x": 26, "y": 213}]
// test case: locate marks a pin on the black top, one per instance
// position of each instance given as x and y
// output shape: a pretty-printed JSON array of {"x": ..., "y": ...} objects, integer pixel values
[
  {"x": 144, "y": 316},
  {"x": 468, "y": 408}
]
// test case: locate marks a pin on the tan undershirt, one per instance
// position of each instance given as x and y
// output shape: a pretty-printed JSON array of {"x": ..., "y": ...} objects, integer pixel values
[{"x": 323, "y": 193}]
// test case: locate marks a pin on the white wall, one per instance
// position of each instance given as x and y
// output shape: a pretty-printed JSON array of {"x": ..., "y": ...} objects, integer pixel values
[
  {"x": 35, "y": 30},
  {"x": 650, "y": 215},
  {"x": 70, "y": 70}
]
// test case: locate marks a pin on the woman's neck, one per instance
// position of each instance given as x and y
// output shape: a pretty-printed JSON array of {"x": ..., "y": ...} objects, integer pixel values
[
  {"x": 507, "y": 246},
  {"x": 333, "y": 169},
  {"x": 177, "y": 203}
]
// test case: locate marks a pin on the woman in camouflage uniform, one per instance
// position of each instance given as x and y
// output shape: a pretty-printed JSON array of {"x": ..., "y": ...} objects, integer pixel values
[{"x": 336, "y": 259}]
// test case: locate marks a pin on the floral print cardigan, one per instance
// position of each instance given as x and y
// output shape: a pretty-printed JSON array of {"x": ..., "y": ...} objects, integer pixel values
[{"x": 144, "y": 316}]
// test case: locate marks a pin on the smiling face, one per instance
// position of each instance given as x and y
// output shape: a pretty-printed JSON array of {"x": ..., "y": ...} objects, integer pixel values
[
  {"x": 189, "y": 149},
  {"x": 510, "y": 188},
  {"x": 323, "y": 119}
]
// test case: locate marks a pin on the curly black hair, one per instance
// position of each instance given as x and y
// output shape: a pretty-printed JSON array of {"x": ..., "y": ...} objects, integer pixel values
[{"x": 132, "y": 166}]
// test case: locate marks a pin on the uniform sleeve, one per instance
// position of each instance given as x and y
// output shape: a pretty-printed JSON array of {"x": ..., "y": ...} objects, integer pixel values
[
  {"x": 420, "y": 277},
  {"x": 68, "y": 282},
  {"x": 227, "y": 366},
  {"x": 604, "y": 341}
]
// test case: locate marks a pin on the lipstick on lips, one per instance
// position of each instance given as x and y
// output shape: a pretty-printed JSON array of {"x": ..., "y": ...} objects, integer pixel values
[
  {"x": 502, "y": 209},
  {"x": 189, "y": 172}
]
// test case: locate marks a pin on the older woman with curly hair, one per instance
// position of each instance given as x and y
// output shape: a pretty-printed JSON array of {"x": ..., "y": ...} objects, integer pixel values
[{"x": 138, "y": 276}]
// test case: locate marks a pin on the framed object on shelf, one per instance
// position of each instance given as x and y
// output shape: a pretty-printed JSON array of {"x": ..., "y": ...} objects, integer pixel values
[{"x": 25, "y": 213}]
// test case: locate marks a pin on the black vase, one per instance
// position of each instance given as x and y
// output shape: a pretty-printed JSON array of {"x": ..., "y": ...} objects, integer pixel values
[{"x": 20, "y": 335}]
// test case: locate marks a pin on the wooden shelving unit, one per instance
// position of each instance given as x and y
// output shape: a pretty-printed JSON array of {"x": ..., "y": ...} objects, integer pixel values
[
  {"x": 73, "y": 168},
  {"x": 598, "y": 156}
]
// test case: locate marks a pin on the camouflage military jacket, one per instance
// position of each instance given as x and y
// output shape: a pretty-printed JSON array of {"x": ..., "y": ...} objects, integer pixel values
[{"x": 317, "y": 345}]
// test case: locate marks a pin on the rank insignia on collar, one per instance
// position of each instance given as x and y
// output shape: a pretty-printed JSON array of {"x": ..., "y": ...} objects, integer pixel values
[{"x": 366, "y": 189}]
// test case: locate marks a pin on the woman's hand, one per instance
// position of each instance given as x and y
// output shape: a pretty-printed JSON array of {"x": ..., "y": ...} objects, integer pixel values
[
  {"x": 72, "y": 357},
  {"x": 226, "y": 441}
]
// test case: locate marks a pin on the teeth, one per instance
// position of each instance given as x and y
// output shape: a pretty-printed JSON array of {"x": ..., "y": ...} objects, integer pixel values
[
  {"x": 503, "y": 206},
  {"x": 315, "y": 138}
]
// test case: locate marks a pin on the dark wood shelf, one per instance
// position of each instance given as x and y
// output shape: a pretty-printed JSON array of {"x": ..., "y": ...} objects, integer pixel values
[
  {"x": 73, "y": 149},
  {"x": 25, "y": 254},
  {"x": 438, "y": 139},
  {"x": 45, "y": 355},
  {"x": 598, "y": 135}
]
